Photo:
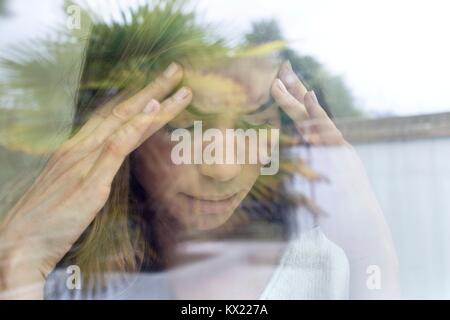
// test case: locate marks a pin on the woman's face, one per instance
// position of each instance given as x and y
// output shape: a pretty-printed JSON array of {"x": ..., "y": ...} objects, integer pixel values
[{"x": 204, "y": 196}]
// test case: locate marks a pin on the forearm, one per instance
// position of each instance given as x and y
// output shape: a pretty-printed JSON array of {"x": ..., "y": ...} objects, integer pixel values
[{"x": 356, "y": 223}]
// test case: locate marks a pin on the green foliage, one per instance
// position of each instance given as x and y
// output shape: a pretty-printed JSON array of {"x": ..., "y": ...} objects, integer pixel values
[
  {"x": 145, "y": 39},
  {"x": 331, "y": 90},
  {"x": 43, "y": 76},
  {"x": 43, "y": 81},
  {"x": 3, "y": 7},
  {"x": 264, "y": 31}
]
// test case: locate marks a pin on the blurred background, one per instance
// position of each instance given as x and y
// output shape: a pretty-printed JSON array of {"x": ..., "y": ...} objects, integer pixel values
[{"x": 379, "y": 68}]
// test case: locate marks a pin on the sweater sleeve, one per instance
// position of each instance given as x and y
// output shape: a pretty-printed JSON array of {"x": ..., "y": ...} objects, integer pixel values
[{"x": 312, "y": 268}]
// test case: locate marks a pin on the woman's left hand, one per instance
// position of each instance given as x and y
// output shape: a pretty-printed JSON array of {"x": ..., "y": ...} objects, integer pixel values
[
  {"x": 355, "y": 221},
  {"x": 304, "y": 109}
]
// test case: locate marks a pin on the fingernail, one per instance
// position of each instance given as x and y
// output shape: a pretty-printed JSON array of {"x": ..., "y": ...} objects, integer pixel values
[
  {"x": 281, "y": 86},
  {"x": 289, "y": 65},
  {"x": 288, "y": 74},
  {"x": 314, "y": 97},
  {"x": 171, "y": 70},
  {"x": 152, "y": 106},
  {"x": 182, "y": 94}
]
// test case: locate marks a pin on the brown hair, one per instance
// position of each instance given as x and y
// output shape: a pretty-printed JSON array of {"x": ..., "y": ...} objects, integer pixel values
[{"x": 123, "y": 235}]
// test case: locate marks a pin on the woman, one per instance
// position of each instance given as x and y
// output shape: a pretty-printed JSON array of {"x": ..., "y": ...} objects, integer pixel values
[{"x": 115, "y": 202}]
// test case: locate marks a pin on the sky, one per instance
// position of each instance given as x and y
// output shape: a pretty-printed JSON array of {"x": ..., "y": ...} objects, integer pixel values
[{"x": 393, "y": 55}]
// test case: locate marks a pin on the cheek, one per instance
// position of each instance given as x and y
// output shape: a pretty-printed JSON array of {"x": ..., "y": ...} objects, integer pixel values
[
  {"x": 155, "y": 170},
  {"x": 249, "y": 175},
  {"x": 152, "y": 162}
]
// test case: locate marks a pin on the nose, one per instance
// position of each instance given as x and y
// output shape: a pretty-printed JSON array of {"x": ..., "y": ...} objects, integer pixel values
[{"x": 220, "y": 172}]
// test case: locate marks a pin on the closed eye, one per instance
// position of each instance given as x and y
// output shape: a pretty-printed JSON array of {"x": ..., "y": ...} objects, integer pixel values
[
  {"x": 171, "y": 128},
  {"x": 269, "y": 116},
  {"x": 247, "y": 125}
]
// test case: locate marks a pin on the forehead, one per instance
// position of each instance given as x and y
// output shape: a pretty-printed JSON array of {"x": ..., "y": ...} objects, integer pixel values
[{"x": 237, "y": 85}]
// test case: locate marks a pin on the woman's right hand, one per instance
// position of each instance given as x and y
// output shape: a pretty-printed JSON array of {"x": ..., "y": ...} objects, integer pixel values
[{"x": 75, "y": 184}]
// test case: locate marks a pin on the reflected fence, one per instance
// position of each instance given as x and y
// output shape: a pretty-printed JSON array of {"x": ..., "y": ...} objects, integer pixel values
[
  {"x": 395, "y": 128},
  {"x": 407, "y": 161}
]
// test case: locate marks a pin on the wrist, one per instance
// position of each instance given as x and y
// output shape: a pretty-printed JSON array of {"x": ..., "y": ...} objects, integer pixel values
[{"x": 20, "y": 276}]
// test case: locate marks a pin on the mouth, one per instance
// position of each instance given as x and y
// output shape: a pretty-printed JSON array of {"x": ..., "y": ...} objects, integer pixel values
[{"x": 210, "y": 204}]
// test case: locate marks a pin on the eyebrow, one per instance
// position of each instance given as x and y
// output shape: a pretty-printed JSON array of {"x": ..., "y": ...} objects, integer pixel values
[
  {"x": 196, "y": 112},
  {"x": 266, "y": 105}
]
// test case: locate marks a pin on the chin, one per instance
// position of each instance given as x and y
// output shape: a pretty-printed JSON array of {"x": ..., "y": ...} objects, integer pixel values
[{"x": 206, "y": 222}]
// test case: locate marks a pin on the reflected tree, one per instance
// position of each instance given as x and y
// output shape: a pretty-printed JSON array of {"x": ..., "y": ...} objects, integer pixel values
[
  {"x": 4, "y": 8},
  {"x": 331, "y": 90}
]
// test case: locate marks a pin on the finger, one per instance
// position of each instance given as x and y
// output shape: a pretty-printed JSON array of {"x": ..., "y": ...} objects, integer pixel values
[
  {"x": 294, "y": 108},
  {"x": 170, "y": 108},
  {"x": 324, "y": 129},
  {"x": 128, "y": 138},
  {"x": 158, "y": 89},
  {"x": 98, "y": 116},
  {"x": 120, "y": 144},
  {"x": 318, "y": 116},
  {"x": 292, "y": 82},
  {"x": 116, "y": 112}
]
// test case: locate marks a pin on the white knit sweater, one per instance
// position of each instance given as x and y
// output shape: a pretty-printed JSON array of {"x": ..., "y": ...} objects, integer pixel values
[{"x": 312, "y": 267}]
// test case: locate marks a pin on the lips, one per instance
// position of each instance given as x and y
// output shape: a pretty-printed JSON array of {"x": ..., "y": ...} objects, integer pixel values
[{"x": 211, "y": 204}]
